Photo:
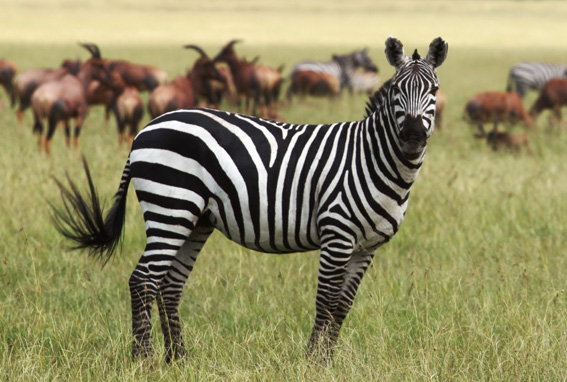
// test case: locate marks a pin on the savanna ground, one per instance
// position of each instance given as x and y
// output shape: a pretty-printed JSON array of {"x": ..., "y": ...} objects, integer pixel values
[{"x": 471, "y": 288}]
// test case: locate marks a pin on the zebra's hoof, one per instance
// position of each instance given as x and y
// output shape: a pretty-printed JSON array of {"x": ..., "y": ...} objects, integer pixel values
[
  {"x": 142, "y": 352},
  {"x": 175, "y": 353}
]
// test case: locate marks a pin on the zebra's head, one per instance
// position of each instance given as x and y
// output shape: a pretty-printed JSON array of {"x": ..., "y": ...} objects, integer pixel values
[
  {"x": 362, "y": 60},
  {"x": 356, "y": 59},
  {"x": 412, "y": 93}
]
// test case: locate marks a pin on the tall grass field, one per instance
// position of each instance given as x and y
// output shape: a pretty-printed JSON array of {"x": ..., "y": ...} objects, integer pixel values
[{"x": 472, "y": 288}]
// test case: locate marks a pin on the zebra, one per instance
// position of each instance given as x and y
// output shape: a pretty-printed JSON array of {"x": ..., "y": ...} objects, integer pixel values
[
  {"x": 341, "y": 66},
  {"x": 270, "y": 186},
  {"x": 364, "y": 82},
  {"x": 524, "y": 76}
]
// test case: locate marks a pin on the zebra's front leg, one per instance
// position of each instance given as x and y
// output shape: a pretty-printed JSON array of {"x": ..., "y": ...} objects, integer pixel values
[
  {"x": 168, "y": 303},
  {"x": 332, "y": 270},
  {"x": 325, "y": 334},
  {"x": 170, "y": 292},
  {"x": 356, "y": 269}
]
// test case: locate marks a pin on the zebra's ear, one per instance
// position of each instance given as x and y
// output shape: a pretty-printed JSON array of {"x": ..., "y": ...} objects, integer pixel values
[
  {"x": 395, "y": 52},
  {"x": 437, "y": 52}
]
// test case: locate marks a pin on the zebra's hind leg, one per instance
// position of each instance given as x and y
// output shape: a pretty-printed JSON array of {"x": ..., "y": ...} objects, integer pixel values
[
  {"x": 143, "y": 290},
  {"x": 164, "y": 242},
  {"x": 171, "y": 288}
]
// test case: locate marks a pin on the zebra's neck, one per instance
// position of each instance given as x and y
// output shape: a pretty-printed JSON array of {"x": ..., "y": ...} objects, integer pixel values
[
  {"x": 384, "y": 150},
  {"x": 346, "y": 69}
]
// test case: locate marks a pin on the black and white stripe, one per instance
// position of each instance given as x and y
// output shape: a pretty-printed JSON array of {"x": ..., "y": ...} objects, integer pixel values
[
  {"x": 342, "y": 66},
  {"x": 533, "y": 75},
  {"x": 364, "y": 82},
  {"x": 269, "y": 186}
]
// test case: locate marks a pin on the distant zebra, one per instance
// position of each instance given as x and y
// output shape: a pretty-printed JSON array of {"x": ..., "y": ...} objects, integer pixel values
[
  {"x": 533, "y": 75},
  {"x": 365, "y": 82},
  {"x": 342, "y": 66},
  {"x": 269, "y": 186}
]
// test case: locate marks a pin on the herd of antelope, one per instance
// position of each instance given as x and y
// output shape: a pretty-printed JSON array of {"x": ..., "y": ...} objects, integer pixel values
[
  {"x": 61, "y": 94},
  {"x": 507, "y": 107},
  {"x": 58, "y": 95}
]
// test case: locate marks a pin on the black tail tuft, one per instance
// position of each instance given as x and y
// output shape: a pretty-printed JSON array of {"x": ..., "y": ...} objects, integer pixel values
[
  {"x": 81, "y": 218},
  {"x": 55, "y": 112}
]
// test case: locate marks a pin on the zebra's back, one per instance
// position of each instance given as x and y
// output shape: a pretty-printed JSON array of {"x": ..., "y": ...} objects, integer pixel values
[
  {"x": 365, "y": 82},
  {"x": 533, "y": 75},
  {"x": 330, "y": 67}
]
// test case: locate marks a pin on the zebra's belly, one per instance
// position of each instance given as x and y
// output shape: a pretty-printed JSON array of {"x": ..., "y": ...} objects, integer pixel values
[
  {"x": 373, "y": 242},
  {"x": 266, "y": 236},
  {"x": 299, "y": 236},
  {"x": 292, "y": 244}
]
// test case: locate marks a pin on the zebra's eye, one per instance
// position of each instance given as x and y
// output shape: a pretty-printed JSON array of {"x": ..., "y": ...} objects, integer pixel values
[{"x": 434, "y": 90}]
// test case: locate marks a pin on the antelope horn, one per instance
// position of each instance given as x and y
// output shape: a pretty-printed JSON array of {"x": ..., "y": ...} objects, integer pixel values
[
  {"x": 233, "y": 42},
  {"x": 198, "y": 49},
  {"x": 97, "y": 51},
  {"x": 87, "y": 47},
  {"x": 92, "y": 48}
]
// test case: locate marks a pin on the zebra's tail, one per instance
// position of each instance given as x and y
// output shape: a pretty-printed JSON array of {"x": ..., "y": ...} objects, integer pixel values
[{"x": 81, "y": 217}]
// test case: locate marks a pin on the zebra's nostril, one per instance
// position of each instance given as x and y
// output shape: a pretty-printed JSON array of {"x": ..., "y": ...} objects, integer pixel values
[
  {"x": 413, "y": 129},
  {"x": 413, "y": 137}
]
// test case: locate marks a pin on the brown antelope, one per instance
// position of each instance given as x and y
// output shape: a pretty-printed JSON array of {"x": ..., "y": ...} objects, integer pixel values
[
  {"x": 7, "y": 72},
  {"x": 496, "y": 107},
  {"x": 26, "y": 82},
  {"x": 439, "y": 109},
  {"x": 126, "y": 104},
  {"x": 252, "y": 81},
  {"x": 270, "y": 81},
  {"x": 552, "y": 96},
  {"x": 182, "y": 92},
  {"x": 515, "y": 142},
  {"x": 129, "y": 112},
  {"x": 65, "y": 98},
  {"x": 499, "y": 139},
  {"x": 307, "y": 82},
  {"x": 142, "y": 77},
  {"x": 214, "y": 90},
  {"x": 99, "y": 94}
]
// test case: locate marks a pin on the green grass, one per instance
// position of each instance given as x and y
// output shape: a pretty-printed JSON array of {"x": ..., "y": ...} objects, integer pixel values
[{"x": 471, "y": 288}]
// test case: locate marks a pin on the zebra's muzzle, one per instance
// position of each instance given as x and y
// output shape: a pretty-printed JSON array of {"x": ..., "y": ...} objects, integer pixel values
[{"x": 413, "y": 137}]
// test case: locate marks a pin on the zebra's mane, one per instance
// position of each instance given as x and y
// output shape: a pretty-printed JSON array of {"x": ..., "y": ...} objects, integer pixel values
[{"x": 376, "y": 100}]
